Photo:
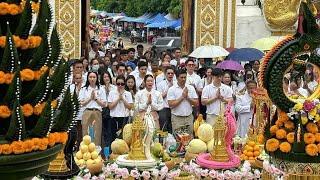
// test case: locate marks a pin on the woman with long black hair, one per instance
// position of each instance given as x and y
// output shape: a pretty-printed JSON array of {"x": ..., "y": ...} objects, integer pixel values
[{"x": 92, "y": 98}]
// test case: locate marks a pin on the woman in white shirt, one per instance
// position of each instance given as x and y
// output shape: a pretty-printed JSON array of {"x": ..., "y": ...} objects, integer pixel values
[
  {"x": 149, "y": 97},
  {"x": 131, "y": 87},
  {"x": 120, "y": 103},
  {"x": 92, "y": 98},
  {"x": 105, "y": 80}
]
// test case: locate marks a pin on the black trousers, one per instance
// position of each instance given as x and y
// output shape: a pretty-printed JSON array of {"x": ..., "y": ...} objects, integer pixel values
[
  {"x": 117, "y": 123},
  {"x": 106, "y": 128},
  {"x": 165, "y": 120}
]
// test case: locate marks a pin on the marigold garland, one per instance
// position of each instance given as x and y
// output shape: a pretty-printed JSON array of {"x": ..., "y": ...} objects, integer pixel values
[
  {"x": 34, "y": 144},
  {"x": 285, "y": 147},
  {"x": 29, "y": 43},
  {"x": 274, "y": 129},
  {"x": 309, "y": 138},
  {"x": 312, "y": 149},
  {"x": 27, "y": 109},
  {"x": 25, "y": 75},
  {"x": 272, "y": 145},
  {"x": 15, "y": 9},
  {"x": 289, "y": 125},
  {"x": 317, "y": 136}
]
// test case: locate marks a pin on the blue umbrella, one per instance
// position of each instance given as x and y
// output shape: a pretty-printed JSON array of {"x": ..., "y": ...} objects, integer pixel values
[{"x": 246, "y": 54}]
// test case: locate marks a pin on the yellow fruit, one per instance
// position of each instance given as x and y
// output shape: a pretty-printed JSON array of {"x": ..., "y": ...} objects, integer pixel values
[
  {"x": 127, "y": 133},
  {"x": 251, "y": 143},
  {"x": 91, "y": 147},
  {"x": 119, "y": 146},
  {"x": 243, "y": 156},
  {"x": 256, "y": 148},
  {"x": 86, "y": 139},
  {"x": 245, "y": 152},
  {"x": 252, "y": 158},
  {"x": 196, "y": 146},
  {"x": 205, "y": 132},
  {"x": 84, "y": 149},
  {"x": 97, "y": 161},
  {"x": 256, "y": 153},
  {"x": 79, "y": 155},
  {"x": 249, "y": 154},
  {"x": 260, "y": 139},
  {"x": 94, "y": 155},
  {"x": 89, "y": 162},
  {"x": 80, "y": 162},
  {"x": 249, "y": 148},
  {"x": 86, "y": 156}
]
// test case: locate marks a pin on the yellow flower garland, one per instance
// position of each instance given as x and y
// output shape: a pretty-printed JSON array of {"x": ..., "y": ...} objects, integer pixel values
[{"x": 25, "y": 75}]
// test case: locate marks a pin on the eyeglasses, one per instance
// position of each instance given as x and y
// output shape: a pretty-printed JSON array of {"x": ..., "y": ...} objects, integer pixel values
[
  {"x": 170, "y": 73},
  {"x": 120, "y": 84},
  {"x": 190, "y": 65}
]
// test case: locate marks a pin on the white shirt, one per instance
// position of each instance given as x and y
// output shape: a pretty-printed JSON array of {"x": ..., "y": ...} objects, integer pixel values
[
  {"x": 92, "y": 54},
  {"x": 184, "y": 108},
  {"x": 119, "y": 110},
  {"x": 85, "y": 94},
  {"x": 141, "y": 100},
  {"x": 303, "y": 92},
  {"x": 139, "y": 80},
  {"x": 194, "y": 79},
  {"x": 161, "y": 77},
  {"x": 243, "y": 108},
  {"x": 162, "y": 87},
  {"x": 312, "y": 85},
  {"x": 210, "y": 91},
  {"x": 111, "y": 88},
  {"x": 80, "y": 112}
]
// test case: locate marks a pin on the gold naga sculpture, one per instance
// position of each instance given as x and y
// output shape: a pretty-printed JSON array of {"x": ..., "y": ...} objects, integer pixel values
[{"x": 283, "y": 14}]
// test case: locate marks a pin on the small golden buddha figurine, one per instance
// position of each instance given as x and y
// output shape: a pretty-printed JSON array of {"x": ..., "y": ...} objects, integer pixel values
[
  {"x": 136, "y": 148},
  {"x": 219, "y": 152}
]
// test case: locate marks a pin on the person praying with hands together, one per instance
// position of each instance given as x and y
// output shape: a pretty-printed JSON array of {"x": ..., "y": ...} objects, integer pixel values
[
  {"x": 181, "y": 98},
  {"x": 215, "y": 96},
  {"x": 120, "y": 103}
]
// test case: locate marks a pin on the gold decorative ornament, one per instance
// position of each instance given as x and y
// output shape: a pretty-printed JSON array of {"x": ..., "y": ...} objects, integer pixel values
[
  {"x": 59, "y": 164},
  {"x": 136, "y": 148},
  {"x": 219, "y": 152}
]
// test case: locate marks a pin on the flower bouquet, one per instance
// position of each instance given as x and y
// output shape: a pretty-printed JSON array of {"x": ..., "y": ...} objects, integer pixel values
[{"x": 36, "y": 107}]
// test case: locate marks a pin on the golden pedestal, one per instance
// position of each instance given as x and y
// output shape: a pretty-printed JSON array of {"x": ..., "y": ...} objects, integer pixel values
[{"x": 59, "y": 164}]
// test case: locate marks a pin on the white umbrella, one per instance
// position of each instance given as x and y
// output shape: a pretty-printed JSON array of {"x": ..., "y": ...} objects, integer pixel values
[{"x": 209, "y": 51}]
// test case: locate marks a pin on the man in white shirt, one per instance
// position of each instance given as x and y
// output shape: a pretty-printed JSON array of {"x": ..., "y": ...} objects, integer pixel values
[
  {"x": 177, "y": 57},
  {"x": 192, "y": 78},
  {"x": 95, "y": 53},
  {"x": 244, "y": 107},
  {"x": 165, "y": 113},
  {"x": 181, "y": 98},
  {"x": 215, "y": 96},
  {"x": 142, "y": 67}
]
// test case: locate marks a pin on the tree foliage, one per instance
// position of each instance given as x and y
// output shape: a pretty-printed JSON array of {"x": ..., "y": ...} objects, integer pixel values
[{"x": 136, "y": 8}]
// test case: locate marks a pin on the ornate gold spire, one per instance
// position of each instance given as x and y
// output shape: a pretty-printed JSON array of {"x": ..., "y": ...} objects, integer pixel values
[{"x": 136, "y": 149}]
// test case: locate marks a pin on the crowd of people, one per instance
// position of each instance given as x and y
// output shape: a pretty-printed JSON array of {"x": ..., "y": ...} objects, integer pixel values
[{"x": 115, "y": 85}]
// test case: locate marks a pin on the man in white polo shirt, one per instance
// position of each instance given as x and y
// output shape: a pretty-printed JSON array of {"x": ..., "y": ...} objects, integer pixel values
[
  {"x": 215, "y": 96},
  {"x": 181, "y": 98}
]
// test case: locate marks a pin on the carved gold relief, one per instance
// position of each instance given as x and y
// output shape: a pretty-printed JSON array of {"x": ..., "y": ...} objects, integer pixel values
[{"x": 69, "y": 25}]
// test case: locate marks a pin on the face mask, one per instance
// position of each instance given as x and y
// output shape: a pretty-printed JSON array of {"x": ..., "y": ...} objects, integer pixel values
[{"x": 95, "y": 67}]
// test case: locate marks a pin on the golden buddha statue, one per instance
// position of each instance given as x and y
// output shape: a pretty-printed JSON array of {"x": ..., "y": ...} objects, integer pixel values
[
  {"x": 219, "y": 152},
  {"x": 136, "y": 148}
]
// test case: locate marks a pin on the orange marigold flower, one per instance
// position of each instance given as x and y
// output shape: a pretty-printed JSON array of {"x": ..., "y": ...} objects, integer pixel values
[
  {"x": 312, "y": 149},
  {"x": 282, "y": 116},
  {"x": 312, "y": 128},
  {"x": 4, "y": 8},
  {"x": 274, "y": 129},
  {"x": 8, "y": 77},
  {"x": 52, "y": 139},
  {"x": 35, "y": 6},
  {"x": 2, "y": 77},
  {"x": 289, "y": 125},
  {"x": 27, "y": 75},
  {"x": 37, "y": 143},
  {"x": 16, "y": 40},
  {"x": 28, "y": 145},
  {"x": 14, "y": 9},
  {"x": 5, "y": 112},
  {"x": 279, "y": 123},
  {"x": 309, "y": 138},
  {"x": 34, "y": 41},
  {"x": 317, "y": 135},
  {"x": 43, "y": 144},
  {"x": 27, "y": 110},
  {"x": 2, "y": 38},
  {"x": 54, "y": 104},
  {"x": 6, "y": 149},
  {"x": 17, "y": 147},
  {"x": 37, "y": 110},
  {"x": 290, "y": 137},
  {"x": 37, "y": 75},
  {"x": 63, "y": 137},
  {"x": 281, "y": 134},
  {"x": 272, "y": 145},
  {"x": 285, "y": 147},
  {"x": 25, "y": 44}
]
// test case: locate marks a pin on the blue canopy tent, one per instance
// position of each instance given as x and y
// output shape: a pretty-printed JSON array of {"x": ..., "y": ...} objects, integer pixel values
[
  {"x": 156, "y": 19},
  {"x": 165, "y": 24}
]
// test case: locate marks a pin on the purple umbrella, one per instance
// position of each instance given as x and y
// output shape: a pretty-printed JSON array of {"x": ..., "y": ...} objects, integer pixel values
[{"x": 230, "y": 65}]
